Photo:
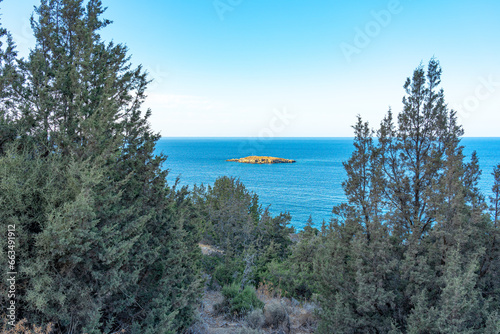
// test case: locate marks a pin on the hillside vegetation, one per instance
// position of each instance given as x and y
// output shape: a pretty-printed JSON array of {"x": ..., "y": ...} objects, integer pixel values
[{"x": 103, "y": 244}]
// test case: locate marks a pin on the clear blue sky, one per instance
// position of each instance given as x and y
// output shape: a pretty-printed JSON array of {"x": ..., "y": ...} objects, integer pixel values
[{"x": 298, "y": 68}]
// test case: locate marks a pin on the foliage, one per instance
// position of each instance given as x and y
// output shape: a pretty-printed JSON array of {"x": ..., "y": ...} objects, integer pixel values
[
  {"x": 239, "y": 301},
  {"x": 250, "y": 237},
  {"x": 228, "y": 271},
  {"x": 294, "y": 275},
  {"x": 413, "y": 250},
  {"x": 104, "y": 243}
]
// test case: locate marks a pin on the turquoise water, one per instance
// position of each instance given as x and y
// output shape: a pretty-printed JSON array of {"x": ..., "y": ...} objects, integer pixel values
[{"x": 311, "y": 186}]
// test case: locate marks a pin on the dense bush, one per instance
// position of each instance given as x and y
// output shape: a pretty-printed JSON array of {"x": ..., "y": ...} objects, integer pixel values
[
  {"x": 239, "y": 301},
  {"x": 104, "y": 243},
  {"x": 249, "y": 236},
  {"x": 294, "y": 275},
  {"x": 210, "y": 262},
  {"x": 228, "y": 271}
]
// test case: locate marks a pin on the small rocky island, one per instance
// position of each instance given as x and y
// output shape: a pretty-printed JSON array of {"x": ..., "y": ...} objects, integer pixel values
[{"x": 262, "y": 160}]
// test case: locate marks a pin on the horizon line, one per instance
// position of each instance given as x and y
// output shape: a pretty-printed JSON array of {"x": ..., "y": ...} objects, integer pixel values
[{"x": 285, "y": 137}]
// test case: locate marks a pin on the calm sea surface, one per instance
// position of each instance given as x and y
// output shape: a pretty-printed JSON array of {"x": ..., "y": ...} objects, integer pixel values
[{"x": 311, "y": 186}]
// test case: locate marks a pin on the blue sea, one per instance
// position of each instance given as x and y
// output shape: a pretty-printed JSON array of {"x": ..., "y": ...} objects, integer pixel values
[{"x": 311, "y": 186}]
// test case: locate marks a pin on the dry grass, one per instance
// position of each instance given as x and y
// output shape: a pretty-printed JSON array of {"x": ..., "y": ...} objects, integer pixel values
[
  {"x": 22, "y": 327},
  {"x": 246, "y": 330},
  {"x": 255, "y": 319},
  {"x": 210, "y": 250},
  {"x": 303, "y": 318},
  {"x": 299, "y": 319},
  {"x": 276, "y": 316},
  {"x": 268, "y": 292}
]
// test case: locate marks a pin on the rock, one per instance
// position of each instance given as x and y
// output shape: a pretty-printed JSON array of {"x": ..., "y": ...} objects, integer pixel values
[{"x": 262, "y": 160}]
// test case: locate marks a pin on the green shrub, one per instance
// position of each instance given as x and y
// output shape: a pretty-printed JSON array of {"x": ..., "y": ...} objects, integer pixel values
[
  {"x": 290, "y": 281},
  {"x": 209, "y": 263},
  {"x": 226, "y": 273},
  {"x": 244, "y": 301},
  {"x": 239, "y": 302}
]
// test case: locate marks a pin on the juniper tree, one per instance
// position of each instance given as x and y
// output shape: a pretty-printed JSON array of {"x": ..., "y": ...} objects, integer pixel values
[
  {"x": 414, "y": 150},
  {"x": 292, "y": 272},
  {"x": 362, "y": 186},
  {"x": 233, "y": 219},
  {"x": 9, "y": 81},
  {"x": 368, "y": 262},
  {"x": 414, "y": 227},
  {"x": 472, "y": 175},
  {"x": 108, "y": 245},
  {"x": 490, "y": 264},
  {"x": 495, "y": 199},
  {"x": 231, "y": 213}
]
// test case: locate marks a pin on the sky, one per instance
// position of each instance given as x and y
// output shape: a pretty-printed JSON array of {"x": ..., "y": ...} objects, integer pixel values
[{"x": 296, "y": 68}]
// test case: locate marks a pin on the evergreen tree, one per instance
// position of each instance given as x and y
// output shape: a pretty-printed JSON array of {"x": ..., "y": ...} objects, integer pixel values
[
  {"x": 460, "y": 306},
  {"x": 472, "y": 175},
  {"x": 490, "y": 264},
  {"x": 363, "y": 184},
  {"x": 107, "y": 245},
  {"x": 250, "y": 237},
  {"x": 495, "y": 199},
  {"x": 414, "y": 151},
  {"x": 9, "y": 82},
  {"x": 231, "y": 213},
  {"x": 410, "y": 251}
]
